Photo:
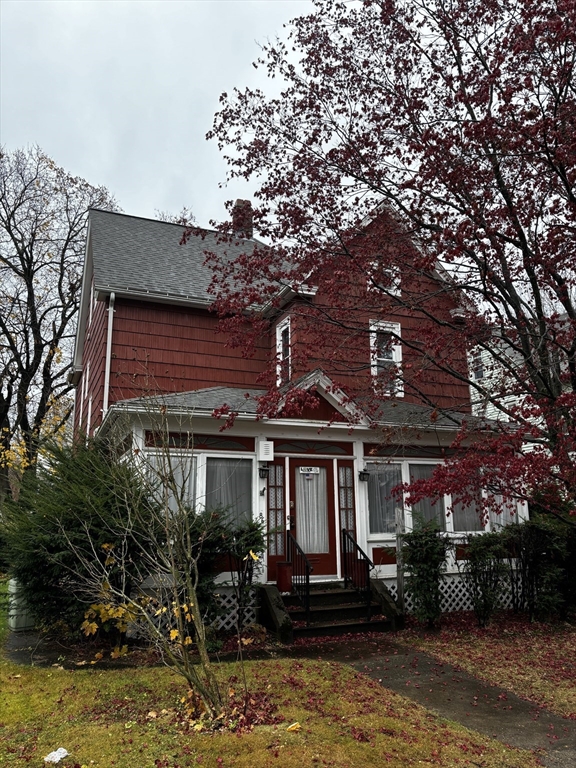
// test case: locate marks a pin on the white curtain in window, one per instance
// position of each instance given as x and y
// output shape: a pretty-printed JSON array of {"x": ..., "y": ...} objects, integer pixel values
[
  {"x": 312, "y": 511},
  {"x": 424, "y": 509},
  {"x": 505, "y": 517},
  {"x": 466, "y": 517},
  {"x": 173, "y": 477},
  {"x": 381, "y": 503},
  {"x": 229, "y": 487}
]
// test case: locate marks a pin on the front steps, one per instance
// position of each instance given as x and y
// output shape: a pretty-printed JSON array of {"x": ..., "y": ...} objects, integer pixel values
[{"x": 334, "y": 610}]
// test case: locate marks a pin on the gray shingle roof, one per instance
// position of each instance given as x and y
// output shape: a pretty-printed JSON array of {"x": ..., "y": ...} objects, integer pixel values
[
  {"x": 201, "y": 400},
  {"x": 389, "y": 412},
  {"x": 401, "y": 413},
  {"x": 139, "y": 256}
]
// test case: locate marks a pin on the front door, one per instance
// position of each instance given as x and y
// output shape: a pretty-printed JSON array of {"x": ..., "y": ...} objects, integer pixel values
[{"x": 311, "y": 513}]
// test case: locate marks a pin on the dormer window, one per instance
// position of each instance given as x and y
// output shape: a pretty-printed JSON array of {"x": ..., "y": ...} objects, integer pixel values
[
  {"x": 386, "y": 356},
  {"x": 283, "y": 366}
]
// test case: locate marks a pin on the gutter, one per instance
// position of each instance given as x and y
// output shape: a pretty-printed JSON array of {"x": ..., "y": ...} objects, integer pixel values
[{"x": 108, "y": 353}]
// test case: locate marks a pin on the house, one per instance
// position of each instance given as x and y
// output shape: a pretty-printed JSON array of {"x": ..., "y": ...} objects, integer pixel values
[{"x": 147, "y": 338}]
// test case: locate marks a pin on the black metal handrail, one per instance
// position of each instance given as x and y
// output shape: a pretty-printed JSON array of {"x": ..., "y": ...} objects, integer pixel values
[
  {"x": 301, "y": 570},
  {"x": 356, "y": 567}
]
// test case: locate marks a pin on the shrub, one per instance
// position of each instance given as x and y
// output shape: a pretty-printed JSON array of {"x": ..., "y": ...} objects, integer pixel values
[
  {"x": 3, "y": 546},
  {"x": 538, "y": 558},
  {"x": 424, "y": 552},
  {"x": 245, "y": 547},
  {"x": 484, "y": 572},
  {"x": 72, "y": 502}
]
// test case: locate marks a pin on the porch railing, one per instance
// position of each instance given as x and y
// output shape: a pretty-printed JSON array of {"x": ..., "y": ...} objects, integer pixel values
[
  {"x": 356, "y": 567},
  {"x": 301, "y": 570}
]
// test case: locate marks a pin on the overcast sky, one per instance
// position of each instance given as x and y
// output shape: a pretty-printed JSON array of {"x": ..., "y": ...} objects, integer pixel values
[{"x": 122, "y": 92}]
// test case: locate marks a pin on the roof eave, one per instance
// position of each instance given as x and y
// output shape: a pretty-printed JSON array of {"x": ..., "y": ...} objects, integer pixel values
[{"x": 103, "y": 292}]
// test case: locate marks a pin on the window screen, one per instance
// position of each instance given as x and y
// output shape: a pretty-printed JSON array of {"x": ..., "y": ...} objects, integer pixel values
[
  {"x": 466, "y": 517},
  {"x": 505, "y": 517}
]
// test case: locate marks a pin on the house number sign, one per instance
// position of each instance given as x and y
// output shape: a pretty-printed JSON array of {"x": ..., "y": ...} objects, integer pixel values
[{"x": 309, "y": 470}]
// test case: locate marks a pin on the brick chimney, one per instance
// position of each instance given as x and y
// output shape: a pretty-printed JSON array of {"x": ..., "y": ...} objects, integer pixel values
[{"x": 242, "y": 218}]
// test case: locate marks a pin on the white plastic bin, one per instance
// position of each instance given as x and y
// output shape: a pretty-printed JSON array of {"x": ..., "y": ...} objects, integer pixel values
[{"x": 19, "y": 618}]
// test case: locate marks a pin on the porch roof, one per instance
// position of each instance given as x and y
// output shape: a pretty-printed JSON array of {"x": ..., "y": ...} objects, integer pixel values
[{"x": 396, "y": 413}]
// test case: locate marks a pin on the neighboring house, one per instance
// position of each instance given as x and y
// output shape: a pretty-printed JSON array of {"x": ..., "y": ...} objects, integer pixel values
[
  {"x": 491, "y": 382},
  {"x": 147, "y": 338}
]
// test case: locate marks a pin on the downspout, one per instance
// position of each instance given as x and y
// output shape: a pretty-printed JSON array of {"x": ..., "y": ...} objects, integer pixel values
[{"x": 108, "y": 353}]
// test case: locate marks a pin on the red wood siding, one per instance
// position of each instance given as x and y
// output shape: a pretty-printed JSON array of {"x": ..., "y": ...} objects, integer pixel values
[
  {"x": 160, "y": 348},
  {"x": 93, "y": 363},
  {"x": 164, "y": 348},
  {"x": 344, "y": 352},
  {"x": 323, "y": 412}
]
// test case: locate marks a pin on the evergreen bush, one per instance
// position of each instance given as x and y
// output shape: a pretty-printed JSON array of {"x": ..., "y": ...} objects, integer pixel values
[
  {"x": 485, "y": 573},
  {"x": 424, "y": 553},
  {"x": 539, "y": 564},
  {"x": 75, "y": 498}
]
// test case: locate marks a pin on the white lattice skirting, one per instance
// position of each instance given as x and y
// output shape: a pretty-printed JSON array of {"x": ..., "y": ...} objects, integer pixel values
[
  {"x": 455, "y": 596},
  {"x": 228, "y": 605},
  {"x": 160, "y": 610}
]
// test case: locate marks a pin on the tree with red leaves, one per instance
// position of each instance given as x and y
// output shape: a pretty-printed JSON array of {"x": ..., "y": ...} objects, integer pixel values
[{"x": 419, "y": 163}]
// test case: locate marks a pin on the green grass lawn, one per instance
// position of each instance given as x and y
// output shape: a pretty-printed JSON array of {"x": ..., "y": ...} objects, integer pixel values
[
  {"x": 130, "y": 718},
  {"x": 133, "y": 718},
  {"x": 536, "y": 661}
]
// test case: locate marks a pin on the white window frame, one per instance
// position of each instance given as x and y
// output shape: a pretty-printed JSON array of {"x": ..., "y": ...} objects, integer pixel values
[
  {"x": 477, "y": 365},
  {"x": 176, "y": 461},
  {"x": 394, "y": 329},
  {"x": 404, "y": 464},
  {"x": 370, "y": 465},
  {"x": 280, "y": 328},
  {"x": 199, "y": 461}
]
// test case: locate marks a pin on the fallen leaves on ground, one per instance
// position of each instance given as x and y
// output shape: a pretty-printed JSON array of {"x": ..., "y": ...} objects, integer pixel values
[{"x": 534, "y": 660}]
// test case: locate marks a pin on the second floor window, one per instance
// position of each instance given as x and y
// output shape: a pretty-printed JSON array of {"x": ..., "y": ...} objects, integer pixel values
[
  {"x": 283, "y": 352},
  {"x": 477, "y": 365},
  {"x": 386, "y": 356}
]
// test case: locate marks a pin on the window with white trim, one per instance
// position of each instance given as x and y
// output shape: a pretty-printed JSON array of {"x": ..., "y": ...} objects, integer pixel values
[
  {"x": 386, "y": 356},
  {"x": 426, "y": 510},
  {"x": 283, "y": 364},
  {"x": 172, "y": 477},
  {"x": 466, "y": 517},
  {"x": 381, "y": 502},
  {"x": 477, "y": 365},
  {"x": 507, "y": 515},
  {"x": 216, "y": 483},
  {"x": 229, "y": 488},
  {"x": 452, "y": 517}
]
